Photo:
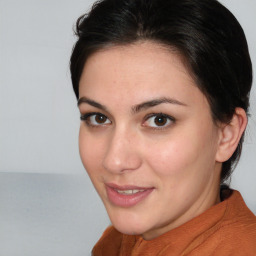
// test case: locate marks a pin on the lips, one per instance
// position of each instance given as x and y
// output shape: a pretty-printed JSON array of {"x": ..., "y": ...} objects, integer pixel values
[{"x": 126, "y": 196}]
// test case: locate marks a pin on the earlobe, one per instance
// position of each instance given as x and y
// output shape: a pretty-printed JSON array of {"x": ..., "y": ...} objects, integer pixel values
[{"x": 230, "y": 135}]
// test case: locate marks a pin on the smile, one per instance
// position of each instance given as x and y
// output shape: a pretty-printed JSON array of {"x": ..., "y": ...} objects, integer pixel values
[
  {"x": 129, "y": 191},
  {"x": 126, "y": 196}
]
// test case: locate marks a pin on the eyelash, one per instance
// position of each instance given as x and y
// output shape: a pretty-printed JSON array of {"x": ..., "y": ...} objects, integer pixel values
[
  {"x": 170, "y": 119},
  {"x": 86, "y": 117}
]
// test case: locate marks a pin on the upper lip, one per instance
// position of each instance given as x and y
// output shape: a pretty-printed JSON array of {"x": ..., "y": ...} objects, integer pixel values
[{"x": 126, "y": 187}]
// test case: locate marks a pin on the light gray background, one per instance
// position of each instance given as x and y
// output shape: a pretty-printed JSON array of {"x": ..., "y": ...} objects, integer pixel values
[{"x": 47, "y": 204}]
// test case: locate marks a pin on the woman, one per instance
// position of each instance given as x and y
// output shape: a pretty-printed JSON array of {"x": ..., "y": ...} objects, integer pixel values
[{"x": 163, "y": 90}]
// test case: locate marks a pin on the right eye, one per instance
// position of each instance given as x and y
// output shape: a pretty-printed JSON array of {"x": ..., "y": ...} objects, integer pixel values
[{"x": 95, "y": 119}]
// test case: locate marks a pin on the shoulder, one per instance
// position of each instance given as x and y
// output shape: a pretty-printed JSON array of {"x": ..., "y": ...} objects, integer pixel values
[
  {"x": 238, "y": 229},
  {"x": 238, "y": 217},
  {"x": 237, "y": 239},
  {"x": 235, "y": 234}
]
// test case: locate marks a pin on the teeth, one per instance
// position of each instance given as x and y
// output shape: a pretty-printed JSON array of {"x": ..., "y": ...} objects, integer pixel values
[{"x": 129, "y": 191}]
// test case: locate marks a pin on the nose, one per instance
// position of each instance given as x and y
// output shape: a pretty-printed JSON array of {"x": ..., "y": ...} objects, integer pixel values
[{"x": 122, "y": 154}]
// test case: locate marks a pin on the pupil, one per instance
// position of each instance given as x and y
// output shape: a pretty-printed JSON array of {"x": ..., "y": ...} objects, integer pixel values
[
  {"x": 100, "y": 119},
  {"x": 160, "y": 120}
]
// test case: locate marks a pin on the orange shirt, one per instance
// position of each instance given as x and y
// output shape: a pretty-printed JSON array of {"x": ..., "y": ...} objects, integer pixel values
[{"x": 226, "y": 229}]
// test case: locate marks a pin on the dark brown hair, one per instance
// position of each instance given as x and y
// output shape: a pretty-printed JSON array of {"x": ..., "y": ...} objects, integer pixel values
[{"x": 204, "y": 32}]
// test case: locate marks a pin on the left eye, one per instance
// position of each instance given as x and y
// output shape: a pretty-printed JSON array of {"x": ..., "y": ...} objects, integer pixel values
[
  {"x": 95, "y": 119},
  {"x": 158, "y": 120}
]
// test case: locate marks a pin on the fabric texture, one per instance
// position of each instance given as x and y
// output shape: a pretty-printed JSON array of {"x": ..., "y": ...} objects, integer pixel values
[{"x": 226, "y": 229}]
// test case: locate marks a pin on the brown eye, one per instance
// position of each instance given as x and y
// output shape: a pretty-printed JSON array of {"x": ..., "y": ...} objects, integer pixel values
[
  {"x": 100, "y": 119},
  {"x": 159, "y": 121},
  {"x": 95, "y": 119}
]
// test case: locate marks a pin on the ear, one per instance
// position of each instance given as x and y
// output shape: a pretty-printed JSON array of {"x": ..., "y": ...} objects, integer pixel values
[{"x": 230, "y": 135}]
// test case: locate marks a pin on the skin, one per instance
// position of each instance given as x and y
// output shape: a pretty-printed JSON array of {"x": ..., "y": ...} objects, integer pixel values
[{"x": 177, "y": 158}]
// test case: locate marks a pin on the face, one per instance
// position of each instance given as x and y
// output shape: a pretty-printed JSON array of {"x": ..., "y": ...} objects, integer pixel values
[{"x": 147, "y": 139}]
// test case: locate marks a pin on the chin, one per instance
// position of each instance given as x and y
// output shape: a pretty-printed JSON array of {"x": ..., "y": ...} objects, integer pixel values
[
  {"x": 128, "y": 229},
  {"x": 128, "y": 224}
]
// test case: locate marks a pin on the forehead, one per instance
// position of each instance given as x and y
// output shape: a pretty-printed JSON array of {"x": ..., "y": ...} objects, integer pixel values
[{"x": 136, "y": 73}]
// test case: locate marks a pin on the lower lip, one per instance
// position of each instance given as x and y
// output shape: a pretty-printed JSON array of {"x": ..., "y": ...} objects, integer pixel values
[{"x": 126, "y": 200}]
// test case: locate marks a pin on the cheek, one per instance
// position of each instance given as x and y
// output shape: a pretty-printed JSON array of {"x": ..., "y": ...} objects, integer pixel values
[
  {"x": 181, "y": 155},
  {"x": 170, "y": 159},
  {"x": 90, "y": 152}
]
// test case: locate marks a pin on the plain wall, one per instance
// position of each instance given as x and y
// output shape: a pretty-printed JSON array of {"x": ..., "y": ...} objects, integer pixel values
[{"x": 47, "y": 204}]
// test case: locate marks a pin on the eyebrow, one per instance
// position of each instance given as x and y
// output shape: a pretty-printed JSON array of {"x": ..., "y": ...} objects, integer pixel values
[
  {"x": 136, "y": 108},
  {"x": 91, "y": 102},
  {"x": 155, "y": 102}
]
